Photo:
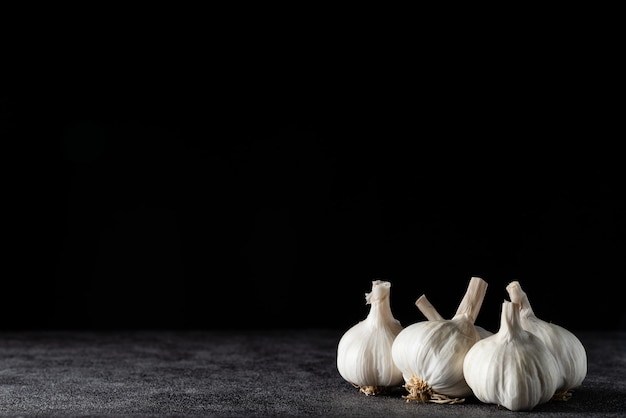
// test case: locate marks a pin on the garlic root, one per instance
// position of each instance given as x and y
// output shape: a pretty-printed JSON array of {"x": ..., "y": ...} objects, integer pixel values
[
  {"x": 420, "y": 391},
  {"x": 372, "y": 390},
  {"x": 562, "y": 395}
]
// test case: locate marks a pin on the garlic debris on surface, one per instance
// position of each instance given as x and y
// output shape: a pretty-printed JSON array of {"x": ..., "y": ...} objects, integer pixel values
[
  {"x": 512, "y": 368},
  {"x": 430, "y": 353},
  {"x": 364, "y": 351},
  {"x": 429, "y": 311},
  {"x": 568, "y": 349}
]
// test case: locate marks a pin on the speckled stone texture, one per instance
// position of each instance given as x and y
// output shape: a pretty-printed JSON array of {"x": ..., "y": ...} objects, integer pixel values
[{"x": 241, "y": 373}]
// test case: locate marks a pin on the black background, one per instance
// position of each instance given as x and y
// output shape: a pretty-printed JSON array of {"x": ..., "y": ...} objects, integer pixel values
[{"x": 194, "y": 175}]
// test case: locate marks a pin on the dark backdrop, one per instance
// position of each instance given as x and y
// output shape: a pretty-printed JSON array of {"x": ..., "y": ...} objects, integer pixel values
[{"x": 186, "y": 182}]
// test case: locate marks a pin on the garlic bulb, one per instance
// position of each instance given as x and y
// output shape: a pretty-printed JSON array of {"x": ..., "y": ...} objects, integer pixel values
[
  {"x": 430, "y": 353},
  {"x": 512, "y": 368},
  {"x": 364, "y": 351},
  {"x": 429, "y": 311},
  {"x": 567, "y": 348}
]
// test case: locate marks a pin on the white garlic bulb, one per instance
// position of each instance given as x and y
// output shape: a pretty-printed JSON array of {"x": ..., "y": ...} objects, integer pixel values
[
  {"x": 512, "y": 368},
  {"x": 567, "y": 348},
  {"x": 364, "y": 351},
  {"x": 429, "y": 311},
  {"x": 430, "y": 353}
]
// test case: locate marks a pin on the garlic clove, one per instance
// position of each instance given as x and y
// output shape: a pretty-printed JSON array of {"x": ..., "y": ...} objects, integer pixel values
[
  {"x": 512, "y": 368},
  {"x": 364, "y": 351},
  {"x": 430, "y": 353},
  {"x": 568, "y": 349}
]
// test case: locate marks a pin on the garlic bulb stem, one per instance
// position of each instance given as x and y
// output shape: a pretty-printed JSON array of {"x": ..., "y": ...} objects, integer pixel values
[
  {"x": 472, "y": 300},
  {"x": 520, "y": 297},
  {"x": 426, "y": 308},
  {"x": 380, "y": 311},
  {"x": 429, "y": 311}
]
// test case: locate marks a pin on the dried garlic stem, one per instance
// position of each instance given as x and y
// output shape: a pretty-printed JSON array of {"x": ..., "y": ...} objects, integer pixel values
[
  {"x": 473, "y": 299},
  {"x": 517, "y": 295},
  {"x": 420, "y": 391},
  {"x": 427, "y": 309}
]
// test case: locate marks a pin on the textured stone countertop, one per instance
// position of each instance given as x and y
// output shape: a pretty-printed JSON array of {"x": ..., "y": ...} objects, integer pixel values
[{"x": 241, "y": 373}]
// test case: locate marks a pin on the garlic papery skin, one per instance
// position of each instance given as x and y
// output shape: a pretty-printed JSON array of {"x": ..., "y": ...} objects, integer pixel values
[
  {"x": 429, "y": 311},
  {"x": 364, "y": 351},
  {"x": 430, "y": 353},
  {"x": 568, "y": 349},
  {"x": 512, "y": 368}
]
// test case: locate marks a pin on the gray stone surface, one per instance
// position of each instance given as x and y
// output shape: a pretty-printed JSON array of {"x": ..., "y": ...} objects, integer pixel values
[{"x": 241, "y": 373}]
